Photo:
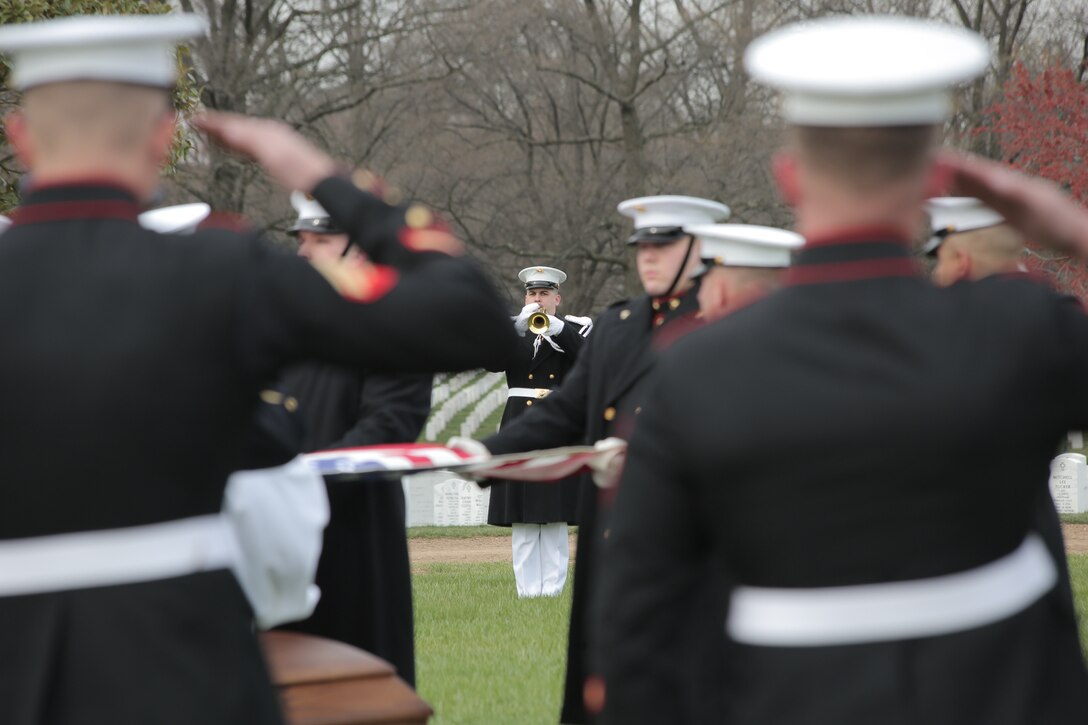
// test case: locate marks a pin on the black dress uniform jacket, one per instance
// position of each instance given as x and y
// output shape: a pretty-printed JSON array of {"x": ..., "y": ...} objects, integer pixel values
[
  {"x": 858, "y": 426},
  {"x": 131, "y": 371},
  {"x": 514, "y": 502},
  {"x": 601, "y": 397},
  {"x": 363, "y": 573}
]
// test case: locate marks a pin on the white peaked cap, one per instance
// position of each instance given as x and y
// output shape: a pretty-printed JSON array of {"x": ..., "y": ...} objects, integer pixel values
[
  {"x": 542, "y": 277},
  {"x": 307, "y": 206},
  {"x": 662, "y": 215},
  {"x": 746, "y": 245},
  {"x": 4, "y": 223},
  {"x": 953, "y": 214},
  {"x": 180, "y": 219},
  {"x": 135, "y": 49},
  {"x": 312, "y": 216},
  {"x": 867, "y": 70}
]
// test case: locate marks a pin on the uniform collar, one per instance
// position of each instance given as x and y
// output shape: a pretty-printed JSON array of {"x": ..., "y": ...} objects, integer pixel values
[
  {"x": 78, "y": 200},
  {"x": 667, "y": 308},
  {"x": 854, "y": 254}
]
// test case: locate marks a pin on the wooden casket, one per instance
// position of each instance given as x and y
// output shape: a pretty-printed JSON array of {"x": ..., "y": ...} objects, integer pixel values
[{"x": 323, "y": 682}]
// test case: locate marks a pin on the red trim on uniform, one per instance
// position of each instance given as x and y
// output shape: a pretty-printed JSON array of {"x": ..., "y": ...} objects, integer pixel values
[
  {"x": 380, "y": 281},
  {"x": 225, "y": 220},
  {"x": 681, "y": 326},
  {"x": 851, "y": 271},
  {"x": 857, "y": 235},
  {"x": 69, "y": 210}
]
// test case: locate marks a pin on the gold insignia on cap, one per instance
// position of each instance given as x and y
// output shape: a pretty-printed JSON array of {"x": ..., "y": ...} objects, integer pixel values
[
  {"x": 364, "y": 179},
  {"x": 540, "y": 269},
  {"x": 418, "y": 217},
  {"x": 624, "y": 314},
  {"x": 640, "y": 208}
]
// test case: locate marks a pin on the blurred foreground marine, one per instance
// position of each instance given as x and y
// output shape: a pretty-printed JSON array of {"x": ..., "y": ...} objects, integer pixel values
[
  {"x": 363, "y": 574},
  {"x": 605, "y": 391},
  {"x": 538, "y": 515},
  {"x": 133, "y": 369},
  {"x": 859, "y": 452}
]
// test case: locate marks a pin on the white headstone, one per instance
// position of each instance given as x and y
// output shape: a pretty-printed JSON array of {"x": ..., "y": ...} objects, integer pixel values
[
  {"x": 419, "y": 497},
  {"x": 460, "y": 503},
  {"x": 1069, "y": 483}
]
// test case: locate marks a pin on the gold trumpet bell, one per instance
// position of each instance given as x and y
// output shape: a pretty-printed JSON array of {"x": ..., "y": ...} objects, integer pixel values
[{"x": 538, "y": 323}]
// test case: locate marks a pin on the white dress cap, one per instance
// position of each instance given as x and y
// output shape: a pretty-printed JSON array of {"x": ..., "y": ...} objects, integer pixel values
[
  {"x": 746, "y": 245},
  {"x": 549, "y": 277},
  {"x": 179, "y": 219},
  {"x": 307, "y": 206},
  {"x": 867, "y": 71},
  {"x": 136, "y": 49},
  {"x": 953, "y": 214},
  {"x": 311, "y": 215},
  {"x": 662, "y": 218}
]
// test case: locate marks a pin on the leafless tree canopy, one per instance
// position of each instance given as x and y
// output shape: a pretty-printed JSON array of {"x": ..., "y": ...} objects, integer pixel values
[{"x": 526, "y": 123}]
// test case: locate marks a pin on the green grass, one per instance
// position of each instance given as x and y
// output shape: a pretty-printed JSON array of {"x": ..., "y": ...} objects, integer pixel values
[
  {"x": 456, "y": 532},
  {"x": 1081, "y": 518},
  {"x": 483, "y": 655},
  {"x": 1078, "y": 572}
]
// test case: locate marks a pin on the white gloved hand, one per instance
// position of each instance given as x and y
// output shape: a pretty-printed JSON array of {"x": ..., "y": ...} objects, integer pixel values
[
  {"x": 474, "y": 448},
  {"x": 555, "y": 326},
  {"x": 607, "y": 465},
  {"x": 521, "y": 322},
  {"x": 585, "y": 323}
]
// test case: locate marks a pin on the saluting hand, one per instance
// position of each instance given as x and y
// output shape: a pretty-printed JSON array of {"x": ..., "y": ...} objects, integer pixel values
[
  {"x": 1037, "y": 208},
  {"x": 285, "y": 155}
]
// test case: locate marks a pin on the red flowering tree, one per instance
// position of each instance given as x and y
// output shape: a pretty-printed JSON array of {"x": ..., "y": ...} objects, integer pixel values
[{"x": 1041, "y": 127}]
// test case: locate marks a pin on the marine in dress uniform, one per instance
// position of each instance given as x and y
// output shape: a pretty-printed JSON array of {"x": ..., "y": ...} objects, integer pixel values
[
  {"x": 363, "y": 573},
  {"x": 859, "y": 452},
  {"x": 605, "y": 390},
  {"x": 132, "y": 373},
  {"x": 744, "y": 263},
  {"x": 971, "y": 242},
  {"x": 538, "y": 515}
]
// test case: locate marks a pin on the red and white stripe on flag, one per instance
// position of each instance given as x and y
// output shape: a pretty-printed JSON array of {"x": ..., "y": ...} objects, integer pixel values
[{"x": 539, "y": 466}]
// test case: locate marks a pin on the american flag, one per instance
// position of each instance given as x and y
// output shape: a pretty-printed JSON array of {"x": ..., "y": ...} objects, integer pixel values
[{"x": 538, "y": 466}]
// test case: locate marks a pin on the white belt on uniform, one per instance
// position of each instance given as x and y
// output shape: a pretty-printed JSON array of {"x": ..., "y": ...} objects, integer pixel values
[
  {"x": 115, "y": 556},
  {"x": 893, "y": 610},
  {"x": 528, "y": 393}
]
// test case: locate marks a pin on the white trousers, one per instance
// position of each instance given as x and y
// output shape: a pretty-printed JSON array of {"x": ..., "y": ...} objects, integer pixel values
[{"x": 541, "y": 553}]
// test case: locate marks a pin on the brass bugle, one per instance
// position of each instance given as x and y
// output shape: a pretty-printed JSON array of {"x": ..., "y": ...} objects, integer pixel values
[{"x": 538, "y": 323}]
